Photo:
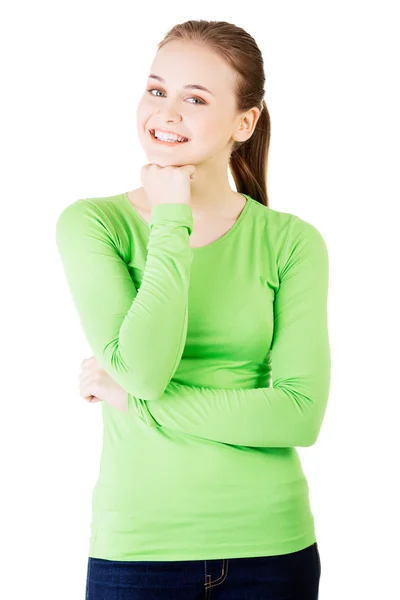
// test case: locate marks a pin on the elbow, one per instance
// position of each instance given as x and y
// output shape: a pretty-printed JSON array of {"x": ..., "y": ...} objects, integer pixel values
[
  {"x": 141, "y": 381},
  {"x": 152, "y": 388},
  {"x": 309, "y": 439},
  {"x": 148, "y": 389},
  {"x": 310, "y": 433},
  {"x": 310, "y": 418},
  {"x": 306, "y": 440},
  {"x": 144, "y": 384},
  {"x": 152, "y": 394}
]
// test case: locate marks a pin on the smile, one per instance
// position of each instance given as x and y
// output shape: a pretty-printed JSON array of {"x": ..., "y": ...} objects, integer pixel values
[{"x": 165, "y": 143}]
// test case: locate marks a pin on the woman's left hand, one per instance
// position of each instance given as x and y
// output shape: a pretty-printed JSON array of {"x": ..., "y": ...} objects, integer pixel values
[{"x": 96, "y": 385}]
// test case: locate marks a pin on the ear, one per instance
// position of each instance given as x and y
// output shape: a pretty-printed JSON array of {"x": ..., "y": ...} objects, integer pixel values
[{"x": 247, "y": 124}]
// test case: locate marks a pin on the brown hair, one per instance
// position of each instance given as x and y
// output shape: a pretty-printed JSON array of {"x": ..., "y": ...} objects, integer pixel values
[{"x": 249, "y": 160}]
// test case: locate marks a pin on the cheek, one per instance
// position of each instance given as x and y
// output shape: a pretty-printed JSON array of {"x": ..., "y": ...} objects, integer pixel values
[
  {"x": 143, "y": 113},
  {"x": 213, "y": 136},
  {"x": 139, "y": 128},
  {"x": 213, "y": 129},
  {"x": 143, "y": 117}
]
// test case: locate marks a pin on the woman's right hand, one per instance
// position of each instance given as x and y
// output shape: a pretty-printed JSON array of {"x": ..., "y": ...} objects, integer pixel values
[{"x": 167, "y": 185}]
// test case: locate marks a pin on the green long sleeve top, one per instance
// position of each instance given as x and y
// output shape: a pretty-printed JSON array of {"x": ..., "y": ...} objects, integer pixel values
[{"x": 224, "y": 352}]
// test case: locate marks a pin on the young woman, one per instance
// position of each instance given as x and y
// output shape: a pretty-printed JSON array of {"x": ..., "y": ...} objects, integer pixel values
[{"x": 194, "y": 298}]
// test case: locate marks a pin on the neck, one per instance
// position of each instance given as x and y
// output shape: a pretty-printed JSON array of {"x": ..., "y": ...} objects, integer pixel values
[
  {"x": 211, "y": 196},
  {"x": 210, "y": 192}
]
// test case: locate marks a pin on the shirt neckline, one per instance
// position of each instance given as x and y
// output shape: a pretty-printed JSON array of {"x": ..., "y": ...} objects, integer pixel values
[{"x": 211, "y": 245}]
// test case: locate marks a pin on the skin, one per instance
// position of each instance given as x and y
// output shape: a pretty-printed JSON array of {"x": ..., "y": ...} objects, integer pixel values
[
  {"x": 96, "y": 385},
  {"x": 212, "y": 127}
]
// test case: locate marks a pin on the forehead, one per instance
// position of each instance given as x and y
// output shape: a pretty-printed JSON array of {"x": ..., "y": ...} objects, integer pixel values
[{"x": 183, "y": 62}]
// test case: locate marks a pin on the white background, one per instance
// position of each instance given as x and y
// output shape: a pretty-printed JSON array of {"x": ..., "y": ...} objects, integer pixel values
[{"x": 72, "y": 74}]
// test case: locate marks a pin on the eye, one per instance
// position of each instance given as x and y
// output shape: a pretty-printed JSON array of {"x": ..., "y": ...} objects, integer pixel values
[{"x": 194, "y": 97}]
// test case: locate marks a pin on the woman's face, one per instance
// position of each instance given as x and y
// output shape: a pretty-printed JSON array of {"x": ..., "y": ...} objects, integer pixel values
[{"x": 207, "y": 119}]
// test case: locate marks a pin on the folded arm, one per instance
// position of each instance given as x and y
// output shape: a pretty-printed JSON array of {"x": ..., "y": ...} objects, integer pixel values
[
  {"x": 290, "y": 413},
  {"x": 138, "y": 337}
]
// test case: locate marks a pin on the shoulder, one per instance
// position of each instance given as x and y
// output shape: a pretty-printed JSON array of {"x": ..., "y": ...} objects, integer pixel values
[
  {"x": 305, "y": 250},
  {"x": 272, "y": 227},
  {"x": 292, "y": 227},
  {"x": 104, "y": 210},
  {"x": 305, "y": 234},
  {"x": 291, "y": 237},
  {"x": 95, "y": 218},
  {"x": 289, "y": 223}
]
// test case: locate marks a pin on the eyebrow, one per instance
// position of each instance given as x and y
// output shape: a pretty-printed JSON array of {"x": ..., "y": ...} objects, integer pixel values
[{"x": 193, "y": 86}]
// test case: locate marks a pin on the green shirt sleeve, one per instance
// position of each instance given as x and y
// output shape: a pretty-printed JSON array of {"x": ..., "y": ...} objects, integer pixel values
[
  {"x": 138, "y": 337},
  {"x": 290, "y": 413}
]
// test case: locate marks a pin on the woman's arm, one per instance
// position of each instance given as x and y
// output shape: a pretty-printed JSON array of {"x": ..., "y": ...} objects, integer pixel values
[
  {"x": 289, "y": 413},
  {"x": 138, "y": 337}
]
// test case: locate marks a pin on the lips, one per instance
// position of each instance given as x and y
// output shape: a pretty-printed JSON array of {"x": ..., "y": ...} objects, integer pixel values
[
  {"x": 162, "y": 143},
  {"x": 168, "y": 132}
]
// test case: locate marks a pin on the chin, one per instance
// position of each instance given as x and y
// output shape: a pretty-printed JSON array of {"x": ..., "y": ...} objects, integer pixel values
[{"x": 163, "y": 162}]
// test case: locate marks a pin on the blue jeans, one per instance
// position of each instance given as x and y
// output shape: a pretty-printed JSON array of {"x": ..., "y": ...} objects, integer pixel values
[{"x": 293, "y": 576}]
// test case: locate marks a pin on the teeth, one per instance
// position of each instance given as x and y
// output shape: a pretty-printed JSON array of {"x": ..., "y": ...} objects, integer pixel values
[{"x": 168, "y": 137}]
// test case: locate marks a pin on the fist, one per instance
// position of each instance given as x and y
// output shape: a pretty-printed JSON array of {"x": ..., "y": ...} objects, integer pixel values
[
  {"x": 167, "y": 185},
  {"x": 96, "y": 385}
]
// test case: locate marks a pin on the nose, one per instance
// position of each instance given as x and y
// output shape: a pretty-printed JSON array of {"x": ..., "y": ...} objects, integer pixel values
[
  {"x": 169, "y": 117},
  {"x": 169, "y": 114}
]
